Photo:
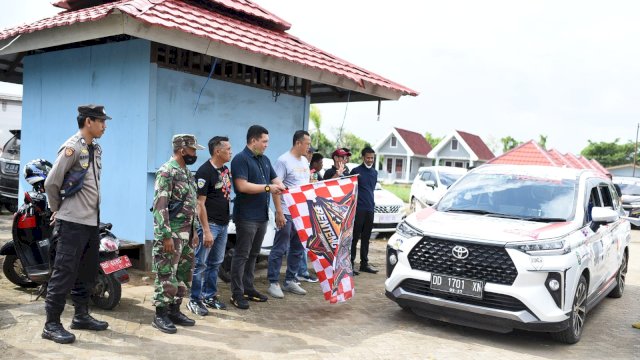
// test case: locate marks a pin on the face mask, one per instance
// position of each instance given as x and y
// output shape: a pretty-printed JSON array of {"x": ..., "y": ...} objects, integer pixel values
[
  {"x": 368, "y": 166},
  {"x": 189, "y": 159}
]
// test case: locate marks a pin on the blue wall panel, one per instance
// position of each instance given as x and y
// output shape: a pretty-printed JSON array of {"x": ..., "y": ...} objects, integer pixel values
[
  {"x": 148, "y": 105},
  {"x": 117, "y": 76},
  {"x": 225, "y": 109}
]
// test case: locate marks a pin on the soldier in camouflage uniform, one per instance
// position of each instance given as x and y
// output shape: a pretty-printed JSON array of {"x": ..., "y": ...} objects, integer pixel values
[{"x": 174, "y": 230}]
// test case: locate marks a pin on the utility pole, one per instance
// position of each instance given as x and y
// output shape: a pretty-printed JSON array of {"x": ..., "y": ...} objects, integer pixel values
[{"x": 635, "y": 153}]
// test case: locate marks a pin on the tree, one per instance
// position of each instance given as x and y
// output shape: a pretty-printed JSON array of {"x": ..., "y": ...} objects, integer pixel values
[
  {"x": 315, "y": 117},
  {"x": 610, "y": 153},
  {"x": 355, "y": 144},
  {"x": 508, "y": 143},
  {"x": 432, "y": 140},
  {"x": 322, "y": 144},
  {"x": 543, "y": 141}
]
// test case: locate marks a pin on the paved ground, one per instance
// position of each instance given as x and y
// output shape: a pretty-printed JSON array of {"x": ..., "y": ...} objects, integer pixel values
[{"x": 367, "y": 327}]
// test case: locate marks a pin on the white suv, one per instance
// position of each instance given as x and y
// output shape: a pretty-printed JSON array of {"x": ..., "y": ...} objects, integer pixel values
[
  {"x": 431, "y": 183},
  {"x": 509, "y": 246}
]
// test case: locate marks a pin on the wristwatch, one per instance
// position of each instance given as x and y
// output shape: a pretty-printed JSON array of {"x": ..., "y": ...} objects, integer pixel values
[{"x": 267, "y": 188}]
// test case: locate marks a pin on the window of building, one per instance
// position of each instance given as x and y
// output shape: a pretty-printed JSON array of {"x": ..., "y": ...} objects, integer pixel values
[
  {"x": 394, "y": 142},
  {"x": 174, "y": 58},
  {"x": 389, "y": 165},
  {"x": 454, "y": 144},
  {"x": 459, "y": 164},
  {"x": 448, "y": 163}
]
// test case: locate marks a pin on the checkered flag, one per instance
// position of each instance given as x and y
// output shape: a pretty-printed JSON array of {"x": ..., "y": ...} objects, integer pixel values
[{"x": 323, "y": 214}]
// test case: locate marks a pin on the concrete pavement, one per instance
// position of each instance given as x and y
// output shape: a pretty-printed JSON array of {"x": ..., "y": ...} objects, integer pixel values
[{"x": 369, "y": 326}]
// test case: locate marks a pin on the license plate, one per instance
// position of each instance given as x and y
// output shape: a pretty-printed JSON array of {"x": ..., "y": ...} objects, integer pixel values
[
  {"x": 11, "y": 168},
  {"x": 114, "y": 265},
  {"x": 456, "y": 285},
  {"x": 388, "y": 218}
]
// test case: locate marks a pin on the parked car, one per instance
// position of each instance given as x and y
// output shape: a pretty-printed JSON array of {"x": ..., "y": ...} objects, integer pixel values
[
  {"x": 9, "y": 170},
  {"x": 630, "y": 188},
  {"x": 431, "y": 183},
  {"x": 510, "y": 246},
  {"x": 389, "y": 210}
]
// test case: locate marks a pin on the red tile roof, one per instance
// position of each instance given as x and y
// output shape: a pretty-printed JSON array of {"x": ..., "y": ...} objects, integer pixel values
[
  {"x": 418, "y": 143},
  {"x": 599, "y": 166},
  {"x": 183, "y": 17},
  {"x": 529, "y": 153},
  {"x": 574, "y": 160},
  {"x": 476, "y": 144},
  {"x": 559, "y": 158}
]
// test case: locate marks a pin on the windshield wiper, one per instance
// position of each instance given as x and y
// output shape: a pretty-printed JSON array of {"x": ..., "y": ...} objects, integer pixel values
[
  {"x": 546, "y": 219},
  {"x": 488, "y": 213}
]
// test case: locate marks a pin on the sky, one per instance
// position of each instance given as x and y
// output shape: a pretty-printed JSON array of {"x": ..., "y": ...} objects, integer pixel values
[{"x": 568, "y": 70}]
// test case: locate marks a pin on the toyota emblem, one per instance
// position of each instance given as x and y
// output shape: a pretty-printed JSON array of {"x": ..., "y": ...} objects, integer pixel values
[{"x": 460, "y": 252}]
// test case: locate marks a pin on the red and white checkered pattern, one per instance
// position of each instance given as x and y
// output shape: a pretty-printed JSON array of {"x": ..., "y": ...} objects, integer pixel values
[{"x": 296, "y": 200}]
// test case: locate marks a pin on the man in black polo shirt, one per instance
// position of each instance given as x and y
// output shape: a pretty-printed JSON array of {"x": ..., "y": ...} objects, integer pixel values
[
  {"x": 254, "y": 179},
  {"x": 363, "y": 223}
]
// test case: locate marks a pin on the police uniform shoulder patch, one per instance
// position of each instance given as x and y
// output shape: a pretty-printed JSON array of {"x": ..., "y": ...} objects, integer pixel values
[
  {"x": 201, "y": 183},
  {"x": 68, "y": 151}
]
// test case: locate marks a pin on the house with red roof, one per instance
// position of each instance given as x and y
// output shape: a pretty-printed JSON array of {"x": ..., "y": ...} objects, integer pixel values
[
  {"x": 400, "y": 154},
  {"x": 461, "y": 149},
  {"x": 161, "y": 67},
  {"x": 531, "y": 153}
]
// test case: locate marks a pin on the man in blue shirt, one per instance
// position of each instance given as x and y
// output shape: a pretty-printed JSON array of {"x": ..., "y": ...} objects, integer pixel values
[
  {"x": 363, "y": 223},
  {"x": 254, "y": 179}
]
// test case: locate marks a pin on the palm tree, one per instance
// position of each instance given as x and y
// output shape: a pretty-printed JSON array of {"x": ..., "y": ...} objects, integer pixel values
[{"x": 316, "y": 119}]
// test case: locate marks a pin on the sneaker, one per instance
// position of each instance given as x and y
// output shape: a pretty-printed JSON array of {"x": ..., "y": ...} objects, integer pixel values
[
  {"x": 239, "y": 302},
  {"x": 275, "y": 291},
  {"x": 254, "y": 295},
  {"x": 197, "y": 307},
  {"x": 215, "y": 303},
  {"x": 293, "y": 287},
  {"x": 308, "y": 278}
]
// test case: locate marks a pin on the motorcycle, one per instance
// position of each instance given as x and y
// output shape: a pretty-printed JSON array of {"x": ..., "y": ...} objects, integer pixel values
[{"x": 29, "y": 256}]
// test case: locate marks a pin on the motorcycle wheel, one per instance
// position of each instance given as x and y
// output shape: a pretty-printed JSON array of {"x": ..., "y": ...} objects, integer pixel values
[
  {"x": 107, "y": 292},
  {"x": 13, "y": 270}
]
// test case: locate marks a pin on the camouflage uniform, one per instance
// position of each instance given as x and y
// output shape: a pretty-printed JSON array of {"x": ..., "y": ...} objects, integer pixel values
[{"x": 173, "y": 271}]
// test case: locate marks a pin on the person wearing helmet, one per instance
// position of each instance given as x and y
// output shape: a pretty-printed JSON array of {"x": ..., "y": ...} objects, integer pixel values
[
  {"x": 35, "y": 172},
  {"x": 73, "y": 190}
]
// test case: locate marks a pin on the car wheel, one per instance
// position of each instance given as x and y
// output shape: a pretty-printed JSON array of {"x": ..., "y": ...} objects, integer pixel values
[
  {"x": 621, "y": 277},
  {"x": 578, "y": 315}
]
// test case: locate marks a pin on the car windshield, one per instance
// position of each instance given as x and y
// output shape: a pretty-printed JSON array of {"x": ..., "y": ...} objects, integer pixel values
[
  {"x": 630, "y": 189},
  {"x": 449, "y": 178},
  {"x": 512, "y": 196}
]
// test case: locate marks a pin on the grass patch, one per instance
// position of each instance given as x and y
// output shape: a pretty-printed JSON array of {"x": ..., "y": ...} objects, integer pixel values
[{"x": 403, "y": 191}]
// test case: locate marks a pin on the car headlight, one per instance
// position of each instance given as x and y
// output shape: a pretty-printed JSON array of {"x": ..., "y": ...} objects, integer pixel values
[
  {"x": 556, "y": 247},
  {"x": 407, "y": 231}
]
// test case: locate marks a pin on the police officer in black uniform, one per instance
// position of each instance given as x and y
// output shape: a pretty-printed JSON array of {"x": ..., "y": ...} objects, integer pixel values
[{"x": 73, "y": 190}]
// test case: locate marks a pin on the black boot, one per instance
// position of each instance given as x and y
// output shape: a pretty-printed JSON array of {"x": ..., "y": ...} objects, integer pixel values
[
  {"x": 53, "y": 330},
  {"x": 82, "y": 320},
  {"x": 162, "y": 322},
  {"x": 178, "y": 317}
]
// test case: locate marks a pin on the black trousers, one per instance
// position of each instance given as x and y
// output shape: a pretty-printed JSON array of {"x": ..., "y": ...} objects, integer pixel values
[
  {"x": 75, "y": 266},
  {"x": 249, "y": 236},
  {"x": 362, "y": 225}
]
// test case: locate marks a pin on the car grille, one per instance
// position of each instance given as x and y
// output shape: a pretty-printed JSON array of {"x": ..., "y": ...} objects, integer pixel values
[
  {"x": 488, "y": 263},
  {"x": 387, "y": 209},
  {"x": 490, "y": 300}
]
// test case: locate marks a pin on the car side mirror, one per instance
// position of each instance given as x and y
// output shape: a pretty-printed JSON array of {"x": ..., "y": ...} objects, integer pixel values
[
  {"x": 604, "y": 215},
  {"x": 430, "y": 183}
]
